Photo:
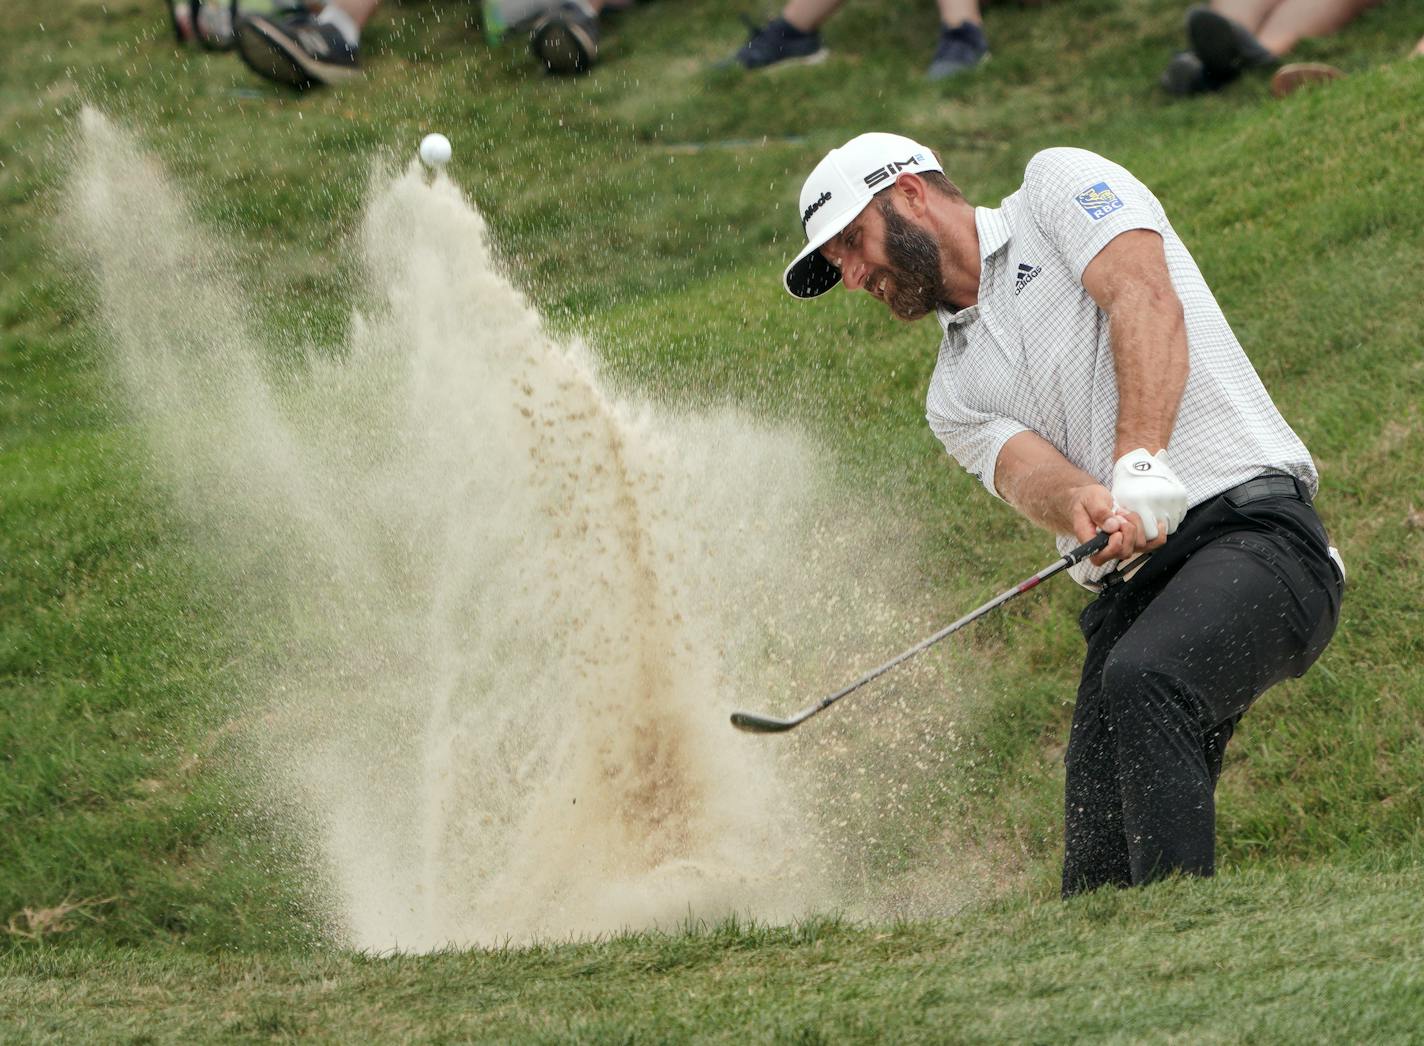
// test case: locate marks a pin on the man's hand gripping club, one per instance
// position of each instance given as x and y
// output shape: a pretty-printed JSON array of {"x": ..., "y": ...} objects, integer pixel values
[
  {"x": 1145, "y": 484},
  {"x": 1092, "y": 508},
  {"x": 1037, "y": 480},
  {"x": 1146, "y": 503}
]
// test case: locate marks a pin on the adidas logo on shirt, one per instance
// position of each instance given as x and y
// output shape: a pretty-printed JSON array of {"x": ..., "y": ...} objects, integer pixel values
[{"x": 1025, "y": 274}]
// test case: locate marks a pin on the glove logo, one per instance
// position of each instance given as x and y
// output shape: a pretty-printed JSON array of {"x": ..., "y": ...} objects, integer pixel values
[{"x": 1144, "y": 483}]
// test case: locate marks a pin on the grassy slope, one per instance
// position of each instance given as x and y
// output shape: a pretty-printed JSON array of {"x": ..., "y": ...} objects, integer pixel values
[
  {"x": 1304, "y": 957},
  {"x": 621, "y": 219}
]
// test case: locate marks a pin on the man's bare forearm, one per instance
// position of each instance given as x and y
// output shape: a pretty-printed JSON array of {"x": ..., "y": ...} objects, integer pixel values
[
  {"x": 1037, "y": 480},
  {"x": 1149, "y": 345},
  {"x": 1131, "y": 283}
]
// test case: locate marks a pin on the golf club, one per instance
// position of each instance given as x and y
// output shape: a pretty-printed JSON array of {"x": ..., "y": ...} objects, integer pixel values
[{"x": 760, "y": 724}]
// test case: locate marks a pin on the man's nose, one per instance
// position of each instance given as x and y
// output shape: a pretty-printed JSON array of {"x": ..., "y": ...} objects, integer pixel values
[{"x": 853, "y": 276}]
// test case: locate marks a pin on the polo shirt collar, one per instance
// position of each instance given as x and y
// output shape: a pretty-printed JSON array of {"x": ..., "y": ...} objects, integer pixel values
[
  {"x": 993, "y": 231},
  {"x": 994, "y": 235}
]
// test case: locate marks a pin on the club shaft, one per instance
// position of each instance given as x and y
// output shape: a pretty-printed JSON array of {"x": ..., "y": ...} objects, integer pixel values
[{"x": 1088, "y": 548}]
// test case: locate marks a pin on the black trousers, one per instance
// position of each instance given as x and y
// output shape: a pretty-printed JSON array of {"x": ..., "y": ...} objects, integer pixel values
[{"x": 1242, "y": 596}]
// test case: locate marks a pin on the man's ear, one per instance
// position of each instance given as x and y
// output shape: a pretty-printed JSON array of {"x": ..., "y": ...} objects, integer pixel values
[{"x": 914, "y": 191}]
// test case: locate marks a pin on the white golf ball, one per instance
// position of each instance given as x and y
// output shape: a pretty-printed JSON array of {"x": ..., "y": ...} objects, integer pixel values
[{"x": 435, "y": 150}]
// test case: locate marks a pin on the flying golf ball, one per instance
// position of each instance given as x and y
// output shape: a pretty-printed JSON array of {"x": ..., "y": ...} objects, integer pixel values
[{"x": 435, "y": 150}]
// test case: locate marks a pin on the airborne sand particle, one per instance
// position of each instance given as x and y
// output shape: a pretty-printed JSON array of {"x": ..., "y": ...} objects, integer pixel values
[{"x": 515, "y": 609}]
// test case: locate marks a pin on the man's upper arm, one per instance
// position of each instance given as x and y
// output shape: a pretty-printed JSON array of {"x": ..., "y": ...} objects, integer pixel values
[{"x": 1130, "y": 267}]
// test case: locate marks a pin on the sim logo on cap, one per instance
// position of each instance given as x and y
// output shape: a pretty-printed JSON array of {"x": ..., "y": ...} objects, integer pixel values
[{"x": 891, "y": 169}]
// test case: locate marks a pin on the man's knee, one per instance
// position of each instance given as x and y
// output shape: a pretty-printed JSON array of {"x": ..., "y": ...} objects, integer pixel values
[
  {"x": 1141, "y": 689},
  {"x": 1127, "y": 670}
]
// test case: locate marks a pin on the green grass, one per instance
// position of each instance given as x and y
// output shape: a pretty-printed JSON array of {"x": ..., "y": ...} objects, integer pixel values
[
  {"x": 650, "y": 207},
  {"x": 1304, "y": 957}
]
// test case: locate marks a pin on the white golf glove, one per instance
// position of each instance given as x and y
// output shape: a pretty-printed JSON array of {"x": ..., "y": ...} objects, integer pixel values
[{"x": 1145, "y": 484}]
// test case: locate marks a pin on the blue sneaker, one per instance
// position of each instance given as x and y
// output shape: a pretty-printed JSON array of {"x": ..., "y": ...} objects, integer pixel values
[
  {"x": 778, "y": 43},
  {"x": 960, "y": 49}
]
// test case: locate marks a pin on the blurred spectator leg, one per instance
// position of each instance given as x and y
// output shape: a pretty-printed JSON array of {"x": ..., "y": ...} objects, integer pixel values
[
  {"x": 1231, "y": 36},
  {"x": 208, "y": 24},
  {"x": 809, "y": 15},
  {"x": 1295, "y": 21},
  {"x": 300, "y": 50},
  {"x": 565, "y": 41},
  {"x": 1226, "y": 45},
  {"x": 1292, "y": 21},
  {"x": 1217, "y": 35},
  {"x": 962, "y": 44},
  {"x": 1251, "y": 14},
  {"x": 794, "y": 38}
]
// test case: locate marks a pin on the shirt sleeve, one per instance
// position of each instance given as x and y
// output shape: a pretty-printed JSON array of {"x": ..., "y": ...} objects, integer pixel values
[
  {"x": 1081, "y": 201},
  {"x": 973, "y": 438}
]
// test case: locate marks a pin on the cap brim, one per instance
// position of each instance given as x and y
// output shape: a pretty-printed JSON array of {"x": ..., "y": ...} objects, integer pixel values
[{"x": 809, "y": 275}]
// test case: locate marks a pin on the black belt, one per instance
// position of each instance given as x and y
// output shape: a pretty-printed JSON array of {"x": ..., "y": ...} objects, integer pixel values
[
  {"x": 1271, "y": 485},
  {"x": 1274, "y": 485}
]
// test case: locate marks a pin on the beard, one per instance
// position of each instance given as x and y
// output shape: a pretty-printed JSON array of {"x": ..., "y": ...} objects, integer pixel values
[{"x": 915, "y": 270}]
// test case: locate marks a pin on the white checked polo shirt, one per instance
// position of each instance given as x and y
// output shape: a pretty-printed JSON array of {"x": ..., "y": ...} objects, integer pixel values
[{"x": 1034, "y": 352}]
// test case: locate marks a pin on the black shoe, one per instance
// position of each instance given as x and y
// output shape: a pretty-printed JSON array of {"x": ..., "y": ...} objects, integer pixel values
[
  {"x": 566, "y": 39},
  {"x": 1185, "y": 75},
  {"x": 778, "y": 43},
  {"x": 296, "y": 50},
  {"x": 1224, "y": 46},
  {"x": 960, "y": 49}
]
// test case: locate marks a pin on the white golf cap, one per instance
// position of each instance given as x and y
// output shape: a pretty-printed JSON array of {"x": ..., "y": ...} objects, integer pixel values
[{"x": 838, "y": 189}]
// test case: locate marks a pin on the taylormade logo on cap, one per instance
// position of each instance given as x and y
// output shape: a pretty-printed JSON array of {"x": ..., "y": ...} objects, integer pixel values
[{"x": 838, "y": 190}]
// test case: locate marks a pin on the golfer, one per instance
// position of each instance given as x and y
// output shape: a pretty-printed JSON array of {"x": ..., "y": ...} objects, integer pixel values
[{"x": 1088, "y": 378}]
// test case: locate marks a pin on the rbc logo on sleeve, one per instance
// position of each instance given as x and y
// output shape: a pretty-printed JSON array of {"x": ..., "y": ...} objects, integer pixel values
[{"x": 1099, "y": 201}]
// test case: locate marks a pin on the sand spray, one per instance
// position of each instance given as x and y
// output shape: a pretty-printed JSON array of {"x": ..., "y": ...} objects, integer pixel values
[{"x": 513, "y": 610}]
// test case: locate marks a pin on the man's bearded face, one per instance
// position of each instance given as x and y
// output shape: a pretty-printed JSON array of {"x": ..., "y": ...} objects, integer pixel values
[{"x": 916, "y": 277}]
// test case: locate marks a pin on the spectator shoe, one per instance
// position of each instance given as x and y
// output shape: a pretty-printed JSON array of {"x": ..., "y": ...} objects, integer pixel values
[
  {"x": 1224, "y": 46},
  {"x": 566, "y": 39},
  {"x": 960, "y": 48},
  {"x": 778, "y": 43},
  {"x": 1185, "y": 75},
  {"x": 1290, "y": 78},
  {"x": 296, "y": 50}
]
